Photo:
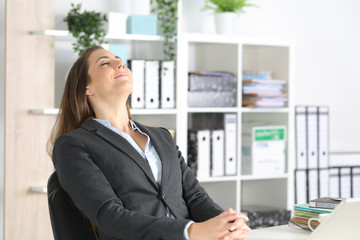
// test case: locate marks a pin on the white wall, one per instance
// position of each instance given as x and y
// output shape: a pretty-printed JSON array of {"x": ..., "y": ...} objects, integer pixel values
[{"x": 327, "y": 38}]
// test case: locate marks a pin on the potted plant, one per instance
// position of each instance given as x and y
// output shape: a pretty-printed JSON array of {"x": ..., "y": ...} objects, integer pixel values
[
  {"x": 86, "y": 27},
  {"x": 166, "y": 11},
  {"x": 225, "y": 13}
]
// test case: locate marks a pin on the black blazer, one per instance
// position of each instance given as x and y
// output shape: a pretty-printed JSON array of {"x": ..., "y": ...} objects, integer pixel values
[{"x": 115, "y": 188}]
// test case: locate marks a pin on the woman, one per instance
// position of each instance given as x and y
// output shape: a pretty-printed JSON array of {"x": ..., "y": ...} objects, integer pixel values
[{"x": 129, "y": 180}]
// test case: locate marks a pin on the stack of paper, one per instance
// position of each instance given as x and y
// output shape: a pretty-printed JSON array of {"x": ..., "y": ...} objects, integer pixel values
[
  {"x": 211, "y": 89},
  {"x": 261, "y": 90}
]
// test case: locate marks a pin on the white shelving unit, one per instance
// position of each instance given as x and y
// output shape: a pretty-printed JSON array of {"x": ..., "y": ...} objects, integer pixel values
[
  {"x": 234, "y": 54},
  {"x": 197, "y": 52}
]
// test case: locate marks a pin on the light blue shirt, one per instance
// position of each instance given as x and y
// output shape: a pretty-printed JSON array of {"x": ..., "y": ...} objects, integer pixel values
[{"x": 150, "y": 154}]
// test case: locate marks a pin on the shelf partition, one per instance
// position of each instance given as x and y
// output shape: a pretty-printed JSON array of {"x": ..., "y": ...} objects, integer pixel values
[{"x": 109, "y": 36}]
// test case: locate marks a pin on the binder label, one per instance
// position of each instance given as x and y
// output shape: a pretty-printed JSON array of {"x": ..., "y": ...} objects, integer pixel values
[{"x": 269, "y": 134}]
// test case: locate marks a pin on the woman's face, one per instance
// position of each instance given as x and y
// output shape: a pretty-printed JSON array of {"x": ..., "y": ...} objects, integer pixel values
[{"x": 109, "y": 78}]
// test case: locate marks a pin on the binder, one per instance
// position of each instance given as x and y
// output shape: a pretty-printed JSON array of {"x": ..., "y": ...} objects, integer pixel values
[
  {"x": 312, "y": 137},
  {"x": 203, "y": 153},
  {"x": 313, "y": 184},
  {"x": 230, "y": 125},
  {"x": 345, "y": 182},
  {"x": 334, "y": 182},
  {"x": 192, "y": 151},
  {"x": 324, "y": 183},
  {"x": 356, "y": 182},
  {"x": 217, "y": 153},
  {"x": 300, "y": 186},
  {"x": 152, "y": 68},
  {"x": 137, "y": 98},
  {"x": 167, "y": 82},
  {"x": 323, "y": 151},
  {"x": 300, "y": 137}
]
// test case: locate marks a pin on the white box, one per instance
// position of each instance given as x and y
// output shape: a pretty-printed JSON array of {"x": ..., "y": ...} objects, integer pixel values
[
  {"x": 117, "y": 23},
  {"x": 268, "y": 151}
]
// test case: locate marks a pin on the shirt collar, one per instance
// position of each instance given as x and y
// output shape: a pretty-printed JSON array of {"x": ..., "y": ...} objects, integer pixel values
[{"x": 108, "y": 123}]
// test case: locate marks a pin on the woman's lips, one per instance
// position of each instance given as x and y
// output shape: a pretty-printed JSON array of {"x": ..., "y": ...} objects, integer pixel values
[{"x": 121, "y": 75}]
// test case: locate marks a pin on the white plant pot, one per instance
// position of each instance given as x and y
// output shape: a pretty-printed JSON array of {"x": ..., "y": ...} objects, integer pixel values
[{"x": 225, "y": 23}]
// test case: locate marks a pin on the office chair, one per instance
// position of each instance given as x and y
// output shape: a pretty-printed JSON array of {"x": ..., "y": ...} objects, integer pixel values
[{"x": 67, "y": 222}]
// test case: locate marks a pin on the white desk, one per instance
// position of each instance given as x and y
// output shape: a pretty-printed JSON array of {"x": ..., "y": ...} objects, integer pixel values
[{"x": 283, "y": 232}]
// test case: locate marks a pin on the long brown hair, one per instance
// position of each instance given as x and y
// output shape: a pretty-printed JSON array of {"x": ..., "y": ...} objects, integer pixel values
[{"x": 75, "y": 106}]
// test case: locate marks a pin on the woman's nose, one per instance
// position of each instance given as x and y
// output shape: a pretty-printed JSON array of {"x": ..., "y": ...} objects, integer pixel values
[{"x": 121, "y": 64}]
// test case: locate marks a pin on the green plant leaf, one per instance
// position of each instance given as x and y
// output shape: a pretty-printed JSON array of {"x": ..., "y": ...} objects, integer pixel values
[
  {"x": 86, "y": 27},
  {"x": 166, "y": 11}
]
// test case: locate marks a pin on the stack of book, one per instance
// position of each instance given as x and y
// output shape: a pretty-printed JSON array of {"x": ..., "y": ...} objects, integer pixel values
[
  {"x": 325, "y": 202},
  {"x": 303, "y": 212},
  {"x": 260, "y": 90}
]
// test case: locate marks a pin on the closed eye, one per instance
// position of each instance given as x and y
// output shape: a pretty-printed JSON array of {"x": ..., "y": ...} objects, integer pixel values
[{"x": 103, "y": 64}]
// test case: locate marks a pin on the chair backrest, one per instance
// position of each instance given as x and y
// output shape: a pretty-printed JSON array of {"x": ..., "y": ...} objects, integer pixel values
[{"x": 67, "y": 222}]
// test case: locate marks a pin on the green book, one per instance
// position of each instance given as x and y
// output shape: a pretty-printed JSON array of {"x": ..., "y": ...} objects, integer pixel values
[
  {"x": 306, "y": 207},
  {"x": 306, "y": 214}
]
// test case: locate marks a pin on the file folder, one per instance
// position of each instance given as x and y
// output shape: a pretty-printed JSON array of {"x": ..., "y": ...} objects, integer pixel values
[
  {"x": 300, "y": 137},
  {"x": 324, "y": 183},
  {"x": 356, "y": 182},
  {"x": 323, "y": 114},
  {"x": 167, "y": 84},
  {"x": 300, "y": 186},
  {"x": 203, "y": 153},
  {"x": 230, "y": 126},
  {"x": 152, "y": 68},
  {"x": 192, "y": 151},
  {"x": 345, "y": 183},
  {"x": 334, "y": 182},
  {"x": 137, "y": 97},
  {"x": 313, "y": 181},
  {"x": 217, "y": 153},
  {"x": 312, "y": 137}
]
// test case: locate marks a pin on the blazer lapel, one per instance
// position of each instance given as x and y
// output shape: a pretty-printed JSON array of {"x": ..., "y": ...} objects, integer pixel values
[
  {"x": 121, "y": 144},
  {"x": 162, "y": 150}
]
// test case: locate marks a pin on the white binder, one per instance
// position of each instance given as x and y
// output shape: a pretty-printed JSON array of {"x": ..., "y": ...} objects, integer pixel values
[
  {"x": 356, "y": 182},
  {"x": 313, "y": 184},
  {"x": 230, "y": 123},
  {"x": 334, "y": 182},
  {"x": 137, "y": 67},
  {"x": 167, "y": 81},
  {"x": 323, "y": 137},
  {"x": 300, "y": 124},
  {"x": 203, "y": 153},
  {"x": 312, "y": 137},
  {"x": 324, "y": 183},
  {"x": 345, "y": 183},
  {"x": 217, "y": 153},
  {"x": 300, "y": 186},
  {"x": 152, "y": 68}
]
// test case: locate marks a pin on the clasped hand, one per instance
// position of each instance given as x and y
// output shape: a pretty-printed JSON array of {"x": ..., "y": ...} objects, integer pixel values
[{"x": 228, "y": 225}]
